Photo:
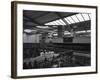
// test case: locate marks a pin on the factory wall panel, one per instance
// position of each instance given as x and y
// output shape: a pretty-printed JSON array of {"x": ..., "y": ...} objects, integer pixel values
[
  {"x": 31, "y": 38},
  {"x": 81, "y": 40},
  {"x": 55, "y": 40}
]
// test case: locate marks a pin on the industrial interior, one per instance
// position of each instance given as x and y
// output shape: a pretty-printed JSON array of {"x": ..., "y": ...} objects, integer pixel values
[{"x": 56, "y": 39}]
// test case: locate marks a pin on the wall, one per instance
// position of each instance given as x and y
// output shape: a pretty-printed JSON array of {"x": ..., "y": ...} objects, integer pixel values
[
  {"x": 81, "y": 40},
  {"x": 55, "y": 40},
  {"x": 5, "y": 41},
  {"x": 31, "y": 38}
]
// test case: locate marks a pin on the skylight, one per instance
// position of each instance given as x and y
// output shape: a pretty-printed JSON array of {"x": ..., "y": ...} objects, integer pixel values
[
  {"x": 80, "y": 17},
  {"x": 71, "y": 19},
  {"x": 55, "y": 23},
  {"x": 67, "y": 21},
  {"x": 75, "y": 18},
  {"x": 62, "y": 22},
  {"x": 86, "y": 17},
  {"x": 89, "y": 16},
  {"x": 58, "y": 23}
]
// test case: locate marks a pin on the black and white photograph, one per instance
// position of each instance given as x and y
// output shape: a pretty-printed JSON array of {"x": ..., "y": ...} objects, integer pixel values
[
  {"x": 56, "y": 39},
  {"x": 53, "y": 39}
]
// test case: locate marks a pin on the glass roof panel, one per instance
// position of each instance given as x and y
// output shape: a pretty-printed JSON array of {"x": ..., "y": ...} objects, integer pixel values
[
  {"x": 75, "y": 18},
  {"x": 62, "y": 22},
  {"x": 49, "y": 24},
  {"x": 86, "y": 17},
  {"x": 70, "y": 19},
  {"x": 89, "y": 16},
  {"x": 53, "y": 23},
  {"x": 79, "y": 16},
  {"x": 59, "y": 23},
  {"x": 67, "y": 20},
  {"x": 46, "y": 24}
]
